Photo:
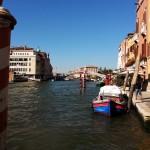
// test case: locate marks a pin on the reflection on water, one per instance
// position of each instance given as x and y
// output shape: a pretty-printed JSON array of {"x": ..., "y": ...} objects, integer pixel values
[{"x": 55, "y": 116}]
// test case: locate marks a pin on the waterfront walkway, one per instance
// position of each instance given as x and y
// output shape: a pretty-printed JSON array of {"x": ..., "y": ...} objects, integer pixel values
[{"x": 143, "y": 106}]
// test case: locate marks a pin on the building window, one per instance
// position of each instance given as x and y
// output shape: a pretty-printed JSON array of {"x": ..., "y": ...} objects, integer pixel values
[
  {"x": 137, "y": 25},
  {"x": 144, "y": 49},
  {"x": 148, "y": 49},
  {"x": 20, "y": 59}
]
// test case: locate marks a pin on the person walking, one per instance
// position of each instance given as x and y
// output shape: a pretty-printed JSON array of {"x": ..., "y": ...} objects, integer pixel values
[{"x": 138, "y": 88}]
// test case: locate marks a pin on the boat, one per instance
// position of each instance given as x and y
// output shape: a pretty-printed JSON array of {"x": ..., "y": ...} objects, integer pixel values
[
  {"x": 100, "y": 83},
  {"x": 111, "y": 101},
  {"x": 18, "y": 78}
]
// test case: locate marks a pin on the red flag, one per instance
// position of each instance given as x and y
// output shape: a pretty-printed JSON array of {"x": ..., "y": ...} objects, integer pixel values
[{"x": 1, "y": 1}]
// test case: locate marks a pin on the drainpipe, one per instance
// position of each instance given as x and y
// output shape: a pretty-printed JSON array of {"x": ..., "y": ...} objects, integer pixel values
[{"x": 7, "y": 23}]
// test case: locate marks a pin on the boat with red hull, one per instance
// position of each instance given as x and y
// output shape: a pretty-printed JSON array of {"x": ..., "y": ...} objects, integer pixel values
[{"x": 110, "y": 101}]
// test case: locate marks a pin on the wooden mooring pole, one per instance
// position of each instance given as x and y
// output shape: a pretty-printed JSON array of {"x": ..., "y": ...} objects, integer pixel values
[
  {"x": 137, "y": 63},
  {"x": 84, "y": 82},
  {"x": 81, "y": 83},
  {"x": 125, "y": 81}
]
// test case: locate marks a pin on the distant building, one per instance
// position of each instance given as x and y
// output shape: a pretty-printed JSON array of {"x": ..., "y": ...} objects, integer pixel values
[
  {"x": 122, "y": 56},
  {"x": 34, "y": 65},
  {"x": 127, "y": 53},
  {"x": 88, "y": 69},
  {"x": 84, "y": 69}
]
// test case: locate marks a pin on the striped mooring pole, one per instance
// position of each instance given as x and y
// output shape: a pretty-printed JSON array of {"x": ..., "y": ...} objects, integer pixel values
[
  {"x": 84, "y": 81},
  {"x": 80, "y": 83},
  {"x": 7, "y": 23}
]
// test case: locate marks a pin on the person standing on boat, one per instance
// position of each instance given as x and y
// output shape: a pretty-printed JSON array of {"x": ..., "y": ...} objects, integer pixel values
[{"x": 138, "y": 88}]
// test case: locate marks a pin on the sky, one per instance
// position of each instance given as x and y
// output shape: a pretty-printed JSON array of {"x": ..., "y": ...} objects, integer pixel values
[{"x": 74, "y": 33}]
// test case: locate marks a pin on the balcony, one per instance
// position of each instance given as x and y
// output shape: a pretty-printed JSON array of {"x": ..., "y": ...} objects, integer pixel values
[
  {"x": 143, "y": 29},
  {"x": 143, "y": 64},
  {"x": 130, "y": 60}
]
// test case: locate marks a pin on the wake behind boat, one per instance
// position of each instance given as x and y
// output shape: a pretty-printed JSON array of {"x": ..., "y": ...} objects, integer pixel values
[{"x": 111, "y": 101}]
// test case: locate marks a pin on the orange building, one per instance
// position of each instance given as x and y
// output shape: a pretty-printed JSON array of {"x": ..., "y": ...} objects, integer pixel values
[
  {"x": 138, "y": 43},
  {"x": 143, "y": 31}
]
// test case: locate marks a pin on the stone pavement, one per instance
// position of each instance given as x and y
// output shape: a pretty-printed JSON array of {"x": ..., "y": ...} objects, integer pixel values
[{"x": 142, "y": 106}]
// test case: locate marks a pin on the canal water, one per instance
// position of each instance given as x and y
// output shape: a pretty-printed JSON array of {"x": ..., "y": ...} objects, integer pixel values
[{"x": 55, "y": 116}]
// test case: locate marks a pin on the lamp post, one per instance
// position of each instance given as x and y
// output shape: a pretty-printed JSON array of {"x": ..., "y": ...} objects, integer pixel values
[{"x": 7, "y": 23}]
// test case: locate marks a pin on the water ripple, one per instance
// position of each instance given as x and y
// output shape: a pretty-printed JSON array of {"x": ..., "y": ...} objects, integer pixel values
[{"x": 55, "y": 116}]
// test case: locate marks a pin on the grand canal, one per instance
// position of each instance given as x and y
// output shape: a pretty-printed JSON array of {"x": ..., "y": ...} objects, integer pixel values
[{"x": 55, "y": 116}]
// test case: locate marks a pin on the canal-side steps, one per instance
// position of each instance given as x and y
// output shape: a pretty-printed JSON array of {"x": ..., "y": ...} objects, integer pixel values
[{"x": 142, "y": 106}]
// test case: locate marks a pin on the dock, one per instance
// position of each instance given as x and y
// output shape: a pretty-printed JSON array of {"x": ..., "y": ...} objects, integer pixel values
[{"x": 142, "y": 106}]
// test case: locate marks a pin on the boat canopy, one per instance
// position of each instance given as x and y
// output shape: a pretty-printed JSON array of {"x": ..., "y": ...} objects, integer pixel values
[{"x": 111, "y": 90}]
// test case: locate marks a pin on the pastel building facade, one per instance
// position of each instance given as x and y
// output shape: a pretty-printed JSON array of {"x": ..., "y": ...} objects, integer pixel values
[
  {"x": 122, "y": 56},
  {"x": 141, "y": 31},
  {"x": 33, "y": 64},
  {"x": 138, "y": 43}
]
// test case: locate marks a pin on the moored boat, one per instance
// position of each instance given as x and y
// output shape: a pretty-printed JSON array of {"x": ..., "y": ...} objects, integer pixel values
[
  {"x": 100, "y": 83},
  {"x": 111, "y": 101}
]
